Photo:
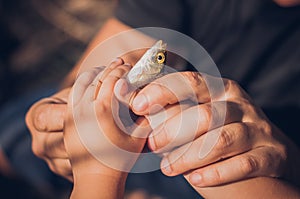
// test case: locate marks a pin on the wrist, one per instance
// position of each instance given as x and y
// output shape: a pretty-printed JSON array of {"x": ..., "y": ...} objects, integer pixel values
[
  {"x": 99, "y": 185},
  {"x": 116, "y": 175}
]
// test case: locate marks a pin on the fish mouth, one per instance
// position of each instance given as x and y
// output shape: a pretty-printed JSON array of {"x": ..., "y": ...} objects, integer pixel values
[{"x": 160, "y": 45}]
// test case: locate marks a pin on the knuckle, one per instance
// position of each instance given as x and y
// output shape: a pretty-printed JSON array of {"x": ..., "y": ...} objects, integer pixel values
[
  {"x": 85, "y": 78},
  {"x": 194, "y": 78},
  {"x": 118, "y": 72},
  {"x": 58, "y": 167},
  {"x": 162, "y": 91},
  {"x": 248, "y": 165},
  {"x": 232, "y": 85},
  {"x": 275, "y": 163},
  {"x": 233, "y": 89},
  {"x": 40, "y": 119},
  {"x": 103, "y": 107},
  {"x": 182, "y": 162},
  {"x": 64, "y": 171},
  {"x": 266, "y": 128},
  {"x": 242, "y": 127},
  {"x": 60, "y": 111},
  {"x": 283, "y": 152},
  {"x": 243, "y": 132},
  {"x": 37, "y": 149},
  {"x": 248, "y": 107},
  {"x": 215, "y": 177},
  {"x": 269, "y": 160},
  {"x": 225, "y": 140},
  {"x": 125, "y": 68}
]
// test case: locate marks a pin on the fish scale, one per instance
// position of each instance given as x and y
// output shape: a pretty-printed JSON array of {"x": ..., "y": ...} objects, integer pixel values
[{"x": 149, "y": 67}]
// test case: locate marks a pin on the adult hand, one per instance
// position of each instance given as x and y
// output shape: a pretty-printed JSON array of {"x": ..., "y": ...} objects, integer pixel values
[
  {"x": 218, "y": 140},
  {"x": 45, "y": 121}
]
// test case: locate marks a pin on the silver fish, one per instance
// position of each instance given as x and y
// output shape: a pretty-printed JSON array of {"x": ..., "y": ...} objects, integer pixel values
[{"x": 149, "y": 67}]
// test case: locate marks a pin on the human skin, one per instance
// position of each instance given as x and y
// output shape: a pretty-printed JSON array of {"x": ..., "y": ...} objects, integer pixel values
[
  {"x": 232, "y": 147},
  {"x": 229, "y": 131},
  {"x": 43, "y": 115},
  {"x": 45, "y": 120},
  {"x": 93, "y": 178}
]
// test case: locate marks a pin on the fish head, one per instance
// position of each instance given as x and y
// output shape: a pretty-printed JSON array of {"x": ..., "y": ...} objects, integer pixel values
[
  {"x": 150, "y": 66},
  {"x": 156, "y": 55}
]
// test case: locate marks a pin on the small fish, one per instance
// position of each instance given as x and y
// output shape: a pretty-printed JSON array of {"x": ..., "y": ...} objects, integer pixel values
[{"x": 149, "y": 67}]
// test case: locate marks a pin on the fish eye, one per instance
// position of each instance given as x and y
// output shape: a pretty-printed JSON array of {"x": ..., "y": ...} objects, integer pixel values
[{"x": 160, "y": 57}]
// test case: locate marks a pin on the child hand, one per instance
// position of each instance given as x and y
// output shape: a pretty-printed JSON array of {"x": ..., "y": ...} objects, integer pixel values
[{"x": 95, "y": 139}]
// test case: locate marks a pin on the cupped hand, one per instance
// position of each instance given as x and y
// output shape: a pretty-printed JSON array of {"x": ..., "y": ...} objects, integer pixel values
[{"x": 45, "y": 121}]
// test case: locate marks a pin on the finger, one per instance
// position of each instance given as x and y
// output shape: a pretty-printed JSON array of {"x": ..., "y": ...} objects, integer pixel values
[
  {"x": 82, "y": 83},
  {"x": 118, "y": 61},
  {"x": 177, "y": 87},
  {"x": 124, "y": 92},
  {"x": 216, "y": 145},
  {"x": 70, "y": 178},
  {"x": 94, "y": 88},
  {"x": 55, "y": 147},
  {"x": 192, "y": 123},
  {"x": 105, "y": 102},
  {"x": 99, "y": 79},
  {"x": 62, "y": 96},
  {"x": 37, "y": 121},
  {"x": 61, "y": 167},
  {"x": 49, "y": 117},
  {"x": 49, "y": 146},
  {"x": 141, "y": 129},
  {"x": 258, "y": 162},
  {"x": 158, "y": 119},
  {"x": 106, "y": 90},
  {"x": 107, "y": 105}
]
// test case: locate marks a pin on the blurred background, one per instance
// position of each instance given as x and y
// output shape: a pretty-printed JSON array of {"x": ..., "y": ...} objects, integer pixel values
[{"x": 41, "y": 40}]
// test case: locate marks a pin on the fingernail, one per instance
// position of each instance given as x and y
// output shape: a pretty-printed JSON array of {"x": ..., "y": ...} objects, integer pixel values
[
  {"x": 165, "y": 165},
  {"x": 140, "y": 102},
  {"x": 196, "y": 179},
  {"x": 151, "y": 142}
]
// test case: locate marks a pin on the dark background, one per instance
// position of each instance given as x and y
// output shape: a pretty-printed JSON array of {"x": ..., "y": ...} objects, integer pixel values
[{"x": 40, "y": 41}]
